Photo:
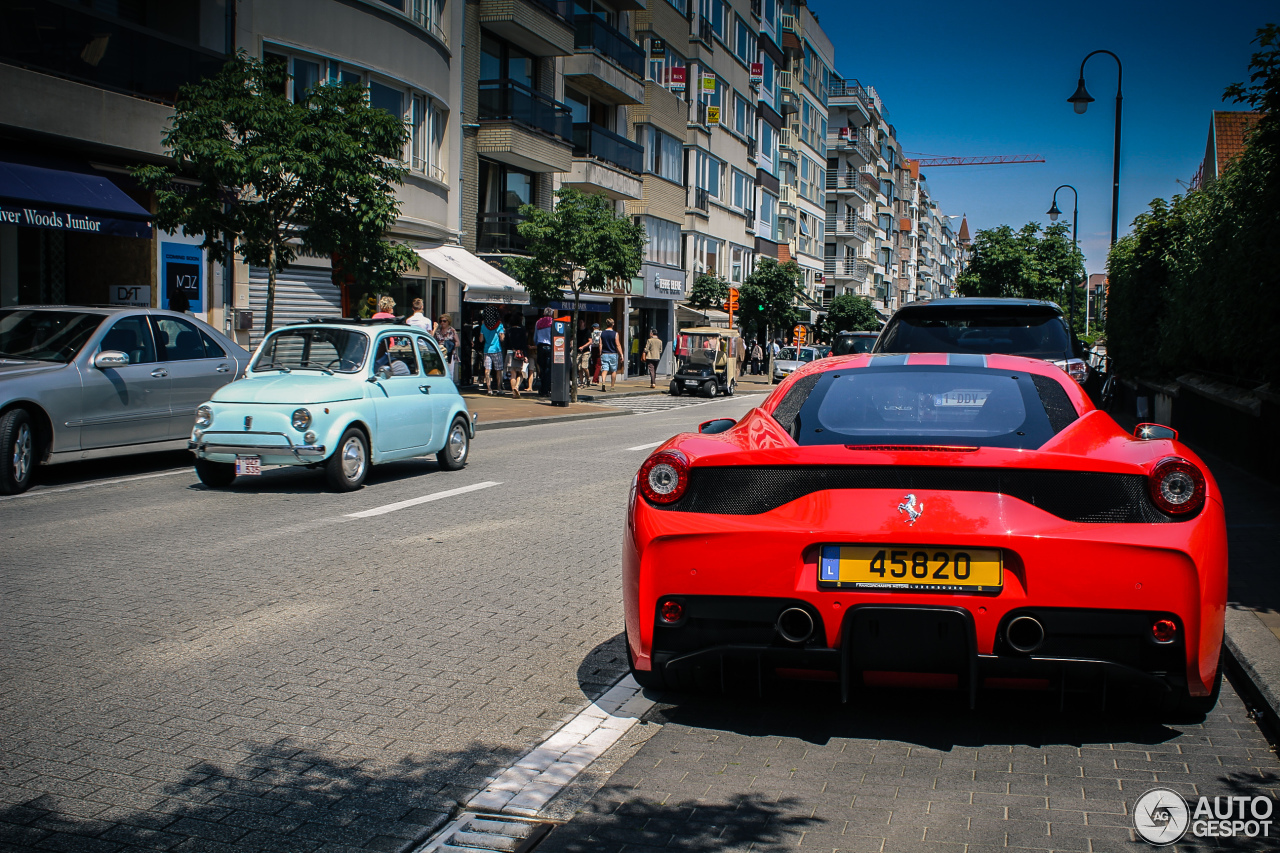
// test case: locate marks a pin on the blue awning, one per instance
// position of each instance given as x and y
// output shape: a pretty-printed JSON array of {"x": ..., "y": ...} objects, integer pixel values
[{"x": 39, "y": 197}]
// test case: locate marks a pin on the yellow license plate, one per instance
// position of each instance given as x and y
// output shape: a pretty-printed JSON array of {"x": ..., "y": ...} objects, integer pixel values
[{"x": 922, "y": 568}]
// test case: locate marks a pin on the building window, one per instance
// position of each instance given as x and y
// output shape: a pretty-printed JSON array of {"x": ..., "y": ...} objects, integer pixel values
[
  {"x": 743, "y": 42},
  {"x": 708, "y": 254},
  {"x": 661, "y": 153},
  {"x": 664, "y": 242},
  {"x": 768, "y": 226},
  {"x": 742, "y": 114},
  {"x": 743, "y": 191},
  {"x": 707, "y": 172}
]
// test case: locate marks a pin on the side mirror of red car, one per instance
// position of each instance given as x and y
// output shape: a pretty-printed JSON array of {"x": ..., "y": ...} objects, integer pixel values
[
  {"x": 1147, "y": 432},
  {"x": 717, "y": 425}
]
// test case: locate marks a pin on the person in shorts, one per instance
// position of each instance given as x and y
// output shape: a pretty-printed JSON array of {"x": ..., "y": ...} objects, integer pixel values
[
  {"x": 610, "y": 353},
  {"x": 493, "y": 332}
]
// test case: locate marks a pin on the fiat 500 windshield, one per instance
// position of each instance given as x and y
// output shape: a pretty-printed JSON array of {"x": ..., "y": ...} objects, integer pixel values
[{"x": 333, "y": 350}]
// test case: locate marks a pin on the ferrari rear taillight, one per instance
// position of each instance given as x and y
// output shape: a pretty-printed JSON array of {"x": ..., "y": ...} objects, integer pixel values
[
  {"x": 664, "y": 477},
  {"x": 1176, "y": 486},
  {"x": 671, "y": 612},
  {"x": 1164, "y": 630}
]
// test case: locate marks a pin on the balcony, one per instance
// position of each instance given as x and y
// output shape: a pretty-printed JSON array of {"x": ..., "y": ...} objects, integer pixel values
[
  {"x": 511, "y": 101},
  {"x": 607, "y": 64},
  {"x": 706, "y": 33},
  {"x": 101, "y": 51},
  {"x": 701, "y": 199},
  {"x": 848, "y": 183},
  {"x": 857, "y": 145},
  {"x": 847, "y": 269},
  {"x": 700, "y": 113},
  {"x": 497, "y": 233},
  {"x": 605, "y": 162},
  {"x": 751, "y": 221},
  {"x": 751, "y": 150},
  {"x": 542, "y": 27},
  {"x": 850, "y": 226}
]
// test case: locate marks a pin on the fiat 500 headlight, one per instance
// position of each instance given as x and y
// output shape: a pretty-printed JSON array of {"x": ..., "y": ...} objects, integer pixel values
[
  {"x": 204, "y": 416},
  {"x": 301, "y": 419}
]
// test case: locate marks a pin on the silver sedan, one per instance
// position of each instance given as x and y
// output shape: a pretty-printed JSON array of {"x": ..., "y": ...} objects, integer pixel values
[{"x": 82, "y": 383}]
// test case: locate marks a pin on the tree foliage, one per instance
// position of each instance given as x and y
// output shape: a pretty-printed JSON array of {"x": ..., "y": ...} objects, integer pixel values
[
  {"x": 767, "y": 300},
  {"x": 851, "y": 313},
  {"x": 708, "y": 291},
  {"x": 274, "y": 175},
  {"x": 1195, "y": 285},
  {"x": 582, "y": 245},
  {"x": 1024, "y": 264}
]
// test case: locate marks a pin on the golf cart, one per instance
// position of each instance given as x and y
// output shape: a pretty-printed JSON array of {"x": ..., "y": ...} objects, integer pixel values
[{"x": 706, "y": 361}]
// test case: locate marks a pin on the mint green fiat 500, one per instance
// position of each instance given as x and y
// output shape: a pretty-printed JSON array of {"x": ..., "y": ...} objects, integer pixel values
[{"x": 334, "y": 395}]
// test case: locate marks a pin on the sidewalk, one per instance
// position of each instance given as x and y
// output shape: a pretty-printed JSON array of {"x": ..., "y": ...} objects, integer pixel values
[{"x": 498, "y": 411}]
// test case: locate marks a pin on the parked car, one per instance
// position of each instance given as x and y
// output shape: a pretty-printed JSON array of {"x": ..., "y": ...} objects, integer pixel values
[
  {"x": 938, "y": 521},
  {"x": 82, "y": 383},
  {"x": 1029, "y": 327},
  {"x": 335, "y": 395},
  {"x": 851, "y": 343},
  {"x": 791, "y": 359}
]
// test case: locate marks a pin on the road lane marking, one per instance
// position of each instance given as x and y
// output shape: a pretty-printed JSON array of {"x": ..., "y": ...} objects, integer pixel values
[
  {"x": 678, "y": 409},
  {"x": 383, "y": 510},
  {"x": 533, "y": 781},
  {"x": 76, "y": 488},
  {"x": 645, "y": 446}
]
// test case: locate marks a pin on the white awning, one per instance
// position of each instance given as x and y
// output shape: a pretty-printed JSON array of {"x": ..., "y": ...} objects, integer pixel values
[{"x": 482, "y": 282}]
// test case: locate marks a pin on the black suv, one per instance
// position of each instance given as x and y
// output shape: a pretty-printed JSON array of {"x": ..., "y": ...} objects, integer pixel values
[{"x": 1028, "y": 327}]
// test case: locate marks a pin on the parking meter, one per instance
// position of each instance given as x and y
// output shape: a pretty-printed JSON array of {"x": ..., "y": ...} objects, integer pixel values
[{"x": 560, "y": 363}]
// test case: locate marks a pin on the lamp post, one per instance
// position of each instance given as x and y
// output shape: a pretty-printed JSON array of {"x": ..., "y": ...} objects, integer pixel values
[
  {"x": 1054, "y": 213},
  {"x": 1081, "y": 101}
]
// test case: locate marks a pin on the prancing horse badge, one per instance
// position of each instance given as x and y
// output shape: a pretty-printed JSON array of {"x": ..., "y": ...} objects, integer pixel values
[{"x": 913, "y": 509}]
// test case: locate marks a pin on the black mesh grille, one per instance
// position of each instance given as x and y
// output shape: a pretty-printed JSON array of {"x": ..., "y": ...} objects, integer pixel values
[
  {"x": 790, "y": 405},
  {"x": 1057, "y": 405},
  {"x": 1079, "y": 496}
]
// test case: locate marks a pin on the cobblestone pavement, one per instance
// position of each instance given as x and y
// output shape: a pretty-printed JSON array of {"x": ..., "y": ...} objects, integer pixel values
[{"x": 251, "y": 669}]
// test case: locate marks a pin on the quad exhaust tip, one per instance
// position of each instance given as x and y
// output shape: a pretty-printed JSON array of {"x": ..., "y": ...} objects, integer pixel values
[
  {"x": 795, "y": 625},
  {"x": 1025, "y": 634}
]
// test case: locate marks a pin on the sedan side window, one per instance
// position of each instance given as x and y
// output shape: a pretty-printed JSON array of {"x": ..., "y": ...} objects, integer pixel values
[
  {"x": 397, "y": 352},
  {"x": 432, "y": 364},
  {"x": 177, "y": 340},
  {"x": 131, "y": 336}
]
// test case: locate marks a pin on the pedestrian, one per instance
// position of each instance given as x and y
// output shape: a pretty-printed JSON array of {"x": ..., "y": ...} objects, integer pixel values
[
  {"x": 447, "y": 336},
  {"x": 757, "y": 356},
  {"x": 517, "y": 343},
  {"x": 633, "y": 363},
  {"x": 386, "y": 308},
  {"x": 493, "y": 332},
  {"x": 610, "y": 354},
  {"x": 417, "y": 318},
  {"x": 542, "y": 337},
  {"x": 595, "y": 353},
  {"x": 652, "y": 355}
]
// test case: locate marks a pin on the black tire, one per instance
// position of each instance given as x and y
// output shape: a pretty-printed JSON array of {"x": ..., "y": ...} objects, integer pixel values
[
  {"x": 675, "y": 389},
  {"x": 215, "y": 475},
  {"x": 457, "y": 446},
  {"x": 730, "y": 388},
  {"x": 348, "y": 465},
  {"x": 651, "y": 679},
  {"x": 21, "y": 452},
  {"x": 709, "y": 388}
]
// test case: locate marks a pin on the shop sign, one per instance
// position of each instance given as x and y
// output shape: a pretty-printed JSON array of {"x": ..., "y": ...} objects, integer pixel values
[
  {"x": 672, "y": 286},
  {"x": 757, "y": 73},
  {"x": 134, "y": 295},
  {"x": 80, "y": 223},
  {"x": 677, "y": 77},
  {"x": 182, "y": 285}
]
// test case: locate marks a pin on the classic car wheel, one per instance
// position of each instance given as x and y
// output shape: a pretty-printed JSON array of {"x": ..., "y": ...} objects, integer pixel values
[
  {"x": 675, "y": 388},
  {"x": 215, "y": 475},
  {"x": 19, "y": 442},
  {"x": 453, "y": 456},
  {"x": 347, "y": 467},
  {"x": 709, "y": 388}
]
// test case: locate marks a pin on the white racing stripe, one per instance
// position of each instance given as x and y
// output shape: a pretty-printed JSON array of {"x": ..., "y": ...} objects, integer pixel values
[
  {"x": 644, "y": 446},
  {"x": 383, "y": 510},
  {"x": 36, "y": 493}
]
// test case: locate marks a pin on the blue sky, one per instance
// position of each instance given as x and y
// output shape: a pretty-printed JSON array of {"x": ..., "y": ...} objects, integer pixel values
[{"x": 981, "y": 79}]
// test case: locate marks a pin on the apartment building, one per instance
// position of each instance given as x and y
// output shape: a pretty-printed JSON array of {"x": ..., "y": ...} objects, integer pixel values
[
  {"x": 89, "y": 90},
  {"x": 850, "y": 255}
]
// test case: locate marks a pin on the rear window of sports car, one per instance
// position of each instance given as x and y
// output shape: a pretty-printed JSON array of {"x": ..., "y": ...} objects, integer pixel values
[{"x": 923, "y": 405}]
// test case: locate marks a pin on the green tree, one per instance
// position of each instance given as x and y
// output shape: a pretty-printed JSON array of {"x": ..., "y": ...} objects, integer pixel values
[
  {"x": 274, "y": 174},
  {"x": 768, "y": 297},
  {"x": 582, "y": 245},
  {"x": 1026, "y": 264},
  {"x": 708, "y": 291},
  {"x": 851, "y": 313}
]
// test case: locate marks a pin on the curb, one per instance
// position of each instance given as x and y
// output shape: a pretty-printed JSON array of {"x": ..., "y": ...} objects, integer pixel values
[
  {"x": 1250, "y": 645},
  {"x": 553, "y": 419}
]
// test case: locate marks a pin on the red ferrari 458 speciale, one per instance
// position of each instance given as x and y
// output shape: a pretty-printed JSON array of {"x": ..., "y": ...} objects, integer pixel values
[{"x": 928, "y": 519}]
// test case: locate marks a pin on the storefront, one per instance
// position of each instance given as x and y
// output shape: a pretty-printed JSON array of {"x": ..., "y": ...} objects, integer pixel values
[
  {"x": 660, "y": 290},
  {"x": 69, "y": 234}
]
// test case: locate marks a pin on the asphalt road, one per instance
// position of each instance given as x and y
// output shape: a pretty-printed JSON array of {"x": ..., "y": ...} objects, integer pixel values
[{"x": 278, "y": 667}]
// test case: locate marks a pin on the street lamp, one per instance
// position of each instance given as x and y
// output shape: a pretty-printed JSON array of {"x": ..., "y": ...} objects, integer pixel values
[
  {"x": 1081, "y": 100},
  {"x": 1054, "y": 213}
]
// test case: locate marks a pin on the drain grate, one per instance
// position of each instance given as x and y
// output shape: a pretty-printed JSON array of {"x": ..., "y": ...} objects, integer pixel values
[{"x": 473, "y": 831}]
